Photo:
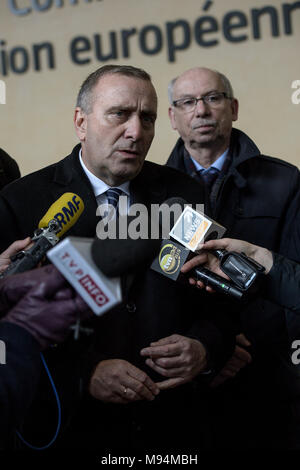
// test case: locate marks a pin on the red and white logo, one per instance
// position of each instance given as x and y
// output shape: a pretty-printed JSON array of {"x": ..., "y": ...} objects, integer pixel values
[{"x": 93, "y": 290}]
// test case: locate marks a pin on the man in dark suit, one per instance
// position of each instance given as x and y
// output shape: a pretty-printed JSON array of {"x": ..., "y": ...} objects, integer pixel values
[
  {"x": 163, "y": 335},
  {"x": 256, "y": 197}
]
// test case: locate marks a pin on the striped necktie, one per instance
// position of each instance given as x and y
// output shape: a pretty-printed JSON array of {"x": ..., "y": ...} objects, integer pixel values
[
  {"x": 209, "y": 176},
  {"x": 113, "y": 195}
]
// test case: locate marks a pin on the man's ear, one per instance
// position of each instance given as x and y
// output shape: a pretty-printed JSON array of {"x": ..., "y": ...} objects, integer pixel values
[
  {"x": 234, "y": 109},
  {"x": 80, "y": 123},
  {"x": 172, "y": 118}
]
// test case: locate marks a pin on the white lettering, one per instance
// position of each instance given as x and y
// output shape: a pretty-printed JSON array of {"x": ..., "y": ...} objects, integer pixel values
[
  {"x": 296, "y": 95},
  {"x": 2, "y": 352},
  {"x": 2, "y": 92},
  {"x": 296, "y": 354}
]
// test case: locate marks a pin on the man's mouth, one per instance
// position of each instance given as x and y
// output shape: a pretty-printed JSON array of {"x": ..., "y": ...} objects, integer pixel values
[
  {"x": 129, "y": 152},
  {"x": 204, "y": 126}
]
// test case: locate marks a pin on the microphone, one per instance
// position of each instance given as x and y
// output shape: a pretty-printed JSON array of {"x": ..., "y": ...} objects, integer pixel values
[
  {"x": 73, "y": 258},
  {"x": 191, "y": 229},
  {"x": 119, "y": 256},
  {"x": 216, "y": 282},
  {"x": 59, "y": 218},
  {"x": 115, "y": 257},
  {"x": 65, "y": 211}
]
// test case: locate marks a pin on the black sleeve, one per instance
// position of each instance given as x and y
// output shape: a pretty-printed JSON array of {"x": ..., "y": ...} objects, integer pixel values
[
  {"x": 283, "y": 283},
  {"x": 9, "y": 170},
  {"x": 12, "y": 227}
]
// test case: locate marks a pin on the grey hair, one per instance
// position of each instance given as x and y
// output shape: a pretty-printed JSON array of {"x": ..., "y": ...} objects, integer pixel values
[
  {"x": 85, "y": 96},
  {"x": 226, "y": 82}
]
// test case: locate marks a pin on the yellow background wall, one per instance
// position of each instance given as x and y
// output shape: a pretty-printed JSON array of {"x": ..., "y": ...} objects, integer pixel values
[{"x": 37, "y": 119}]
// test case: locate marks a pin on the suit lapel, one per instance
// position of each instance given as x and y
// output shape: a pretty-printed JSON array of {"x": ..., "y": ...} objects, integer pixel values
[{"x": 70, "y": 177}]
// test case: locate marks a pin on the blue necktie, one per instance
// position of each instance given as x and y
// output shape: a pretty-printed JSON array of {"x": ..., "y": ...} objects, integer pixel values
[
  {"x": 113, "y": 195},
  {"x": 209, "y": 176}
]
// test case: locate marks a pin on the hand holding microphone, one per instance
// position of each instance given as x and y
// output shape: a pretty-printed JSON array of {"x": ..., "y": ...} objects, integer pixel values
[
  {"x": 13, "y": 249},
  {"x": 41, "y": 302},
  {"x": 260, "y": 259},
  {"x": 59, "y": 218}
]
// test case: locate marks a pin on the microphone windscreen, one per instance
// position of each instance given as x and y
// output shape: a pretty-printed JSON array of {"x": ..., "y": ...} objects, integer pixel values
[
  {"x": 66, "y": 210},
  {"x": 115, "y": 257},
  {"x": 170, "y": 210}
]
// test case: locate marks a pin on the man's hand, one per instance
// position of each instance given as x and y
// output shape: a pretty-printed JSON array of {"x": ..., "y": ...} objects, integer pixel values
[
  {"x": 177, "y": 357},
  {"x": 13, "y": 249},
  {"x": 118, "y": 381},
  {"x": 240, "y": 358}
]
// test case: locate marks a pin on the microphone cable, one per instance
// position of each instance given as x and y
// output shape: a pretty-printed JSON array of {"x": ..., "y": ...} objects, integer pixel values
[{"x": 58, "y": 409}]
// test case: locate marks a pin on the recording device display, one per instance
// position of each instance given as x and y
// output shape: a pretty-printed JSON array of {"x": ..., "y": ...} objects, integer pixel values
[{"x": 59, "y": 218}]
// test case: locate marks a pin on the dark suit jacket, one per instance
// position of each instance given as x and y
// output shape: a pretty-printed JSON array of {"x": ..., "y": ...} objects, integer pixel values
[
  {"x": 9, "y": 170},
  {"x": 154, "y": 307}
]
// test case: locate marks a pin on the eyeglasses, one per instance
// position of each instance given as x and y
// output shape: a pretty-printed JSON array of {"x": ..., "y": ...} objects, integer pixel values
[{"x": 213, "y": 100}]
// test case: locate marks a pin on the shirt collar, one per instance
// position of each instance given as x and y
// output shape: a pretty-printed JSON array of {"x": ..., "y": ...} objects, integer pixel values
[
  {"x": 99, "y": 187},
  {"x": 218, "y": 164}
]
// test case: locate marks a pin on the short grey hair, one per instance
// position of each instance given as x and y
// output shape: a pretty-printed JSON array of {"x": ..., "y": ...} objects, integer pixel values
[
  {"x": 85, "y": 96},
  {"x": 226, "y": 82}
]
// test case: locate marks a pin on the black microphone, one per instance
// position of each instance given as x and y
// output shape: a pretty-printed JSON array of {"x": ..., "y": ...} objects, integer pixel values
[
  {"x": 116, "y": 257},
  {"x": 216, "y": 282}
]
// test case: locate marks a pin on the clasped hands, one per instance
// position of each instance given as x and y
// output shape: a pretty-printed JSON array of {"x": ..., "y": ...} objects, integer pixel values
[{"x": 178, "y": 359}]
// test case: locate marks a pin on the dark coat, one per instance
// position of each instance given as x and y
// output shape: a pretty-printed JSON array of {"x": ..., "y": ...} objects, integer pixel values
[
  {"x": 9, "y": 170},
  {"x": 257, "y": 199},
  {"x": 252, "y": 198},
  {"x": 283, "y": 283},
  {"x": 153, "y": 308}
]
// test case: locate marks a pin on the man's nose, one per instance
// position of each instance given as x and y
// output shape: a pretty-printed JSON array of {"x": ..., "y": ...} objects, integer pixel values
[
  {"x": 201, "y": 108},
  {"x": 134, "y": 128}
]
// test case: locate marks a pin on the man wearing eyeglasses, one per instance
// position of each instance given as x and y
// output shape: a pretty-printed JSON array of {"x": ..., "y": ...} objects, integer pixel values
[{"x": 255, "y": 197}]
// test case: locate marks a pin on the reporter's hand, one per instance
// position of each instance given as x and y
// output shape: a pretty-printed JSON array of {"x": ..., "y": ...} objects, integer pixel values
[
  {"x": 48, "y": 309},
  {"x": 206, "y": 260},
  {"x": 118, "y": 381},
  {"x": 13, "y": 288},
  {"x": 13, "y": 249},
  {"x": 259, "y": 254}
]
